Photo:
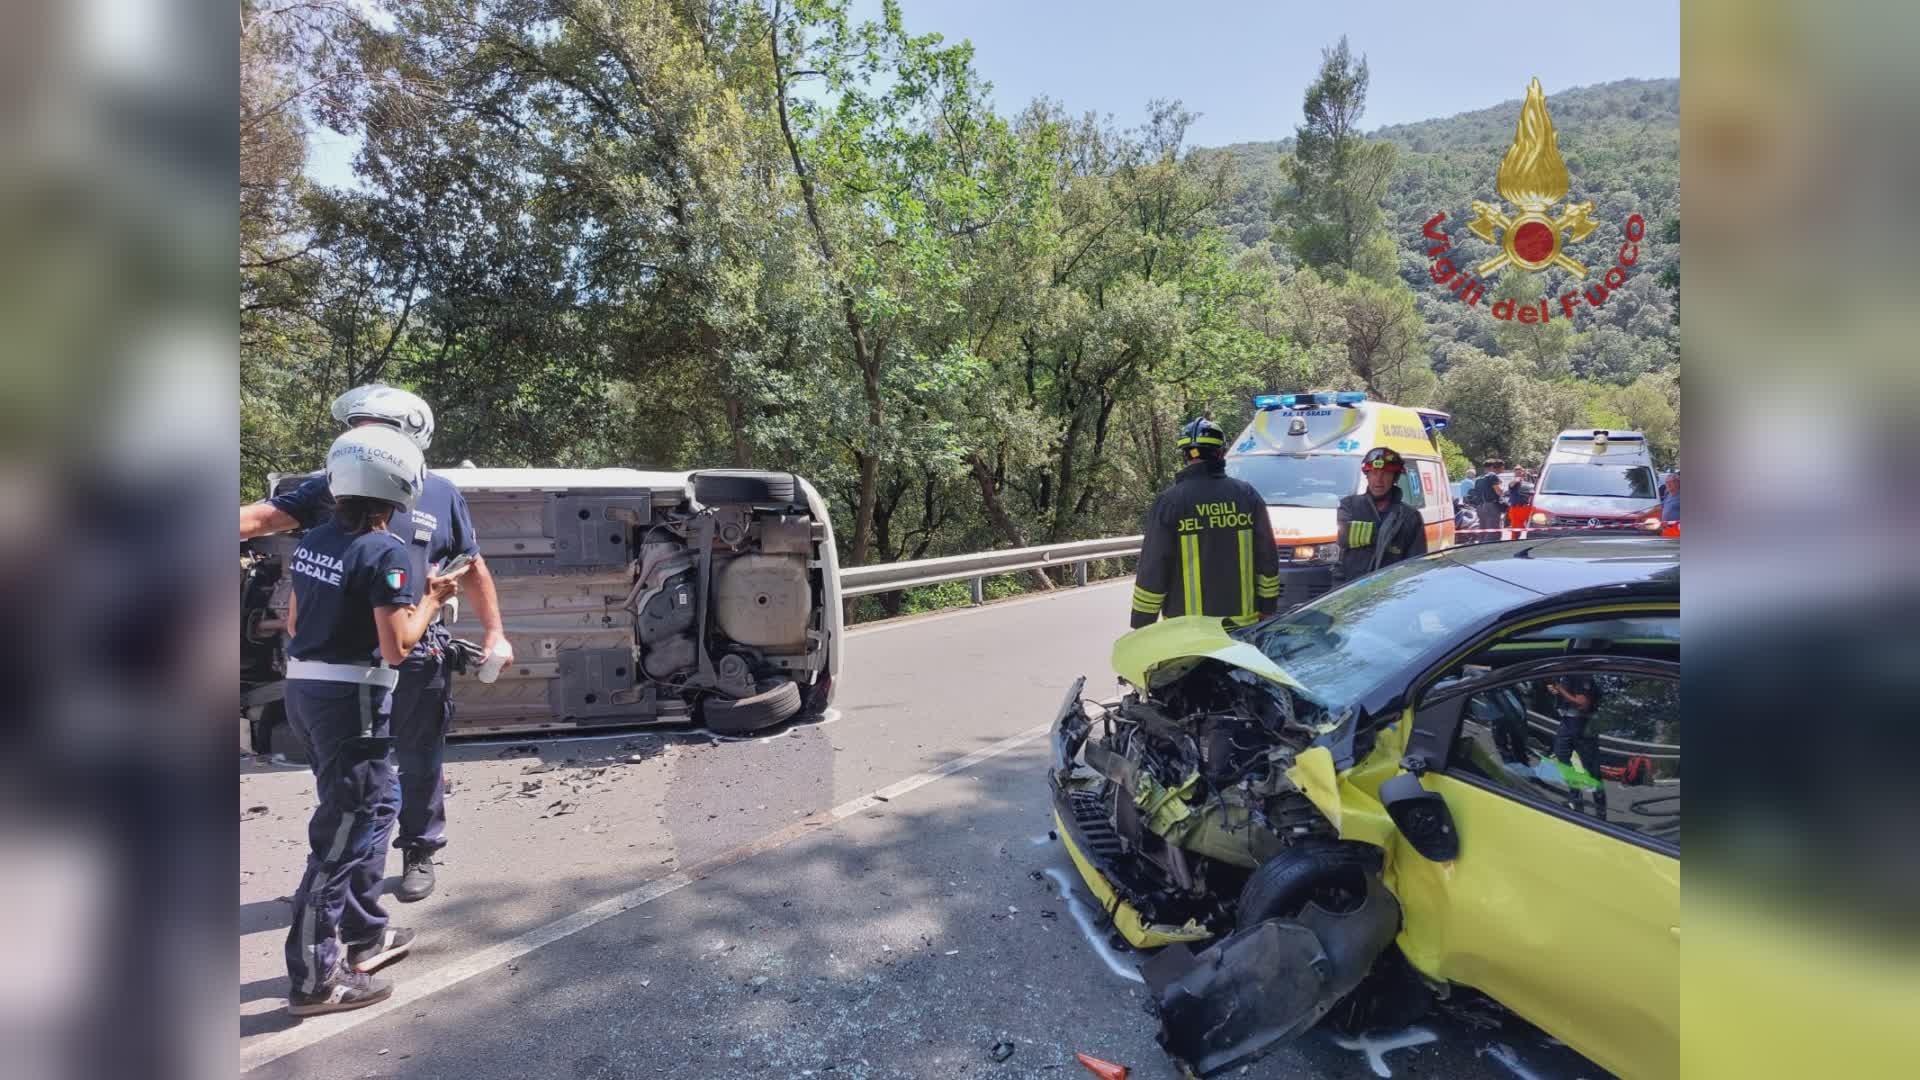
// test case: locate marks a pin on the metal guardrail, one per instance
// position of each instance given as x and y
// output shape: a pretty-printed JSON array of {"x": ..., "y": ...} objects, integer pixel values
[{"x": 977, "y": 568}]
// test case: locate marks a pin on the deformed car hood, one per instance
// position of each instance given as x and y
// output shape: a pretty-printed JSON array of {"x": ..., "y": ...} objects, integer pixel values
[{"x": 1155, "y": 655}]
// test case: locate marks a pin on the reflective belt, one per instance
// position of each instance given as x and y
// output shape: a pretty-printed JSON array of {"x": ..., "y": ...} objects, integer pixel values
[
  {"x": 359, "y": 674},
  {"x": 1190, "y": 574}
]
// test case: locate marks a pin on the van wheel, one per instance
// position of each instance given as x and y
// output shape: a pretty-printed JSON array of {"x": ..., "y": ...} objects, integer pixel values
[
  {"x": 774, "y": 704},
  {"x": 722, "y": 486}
]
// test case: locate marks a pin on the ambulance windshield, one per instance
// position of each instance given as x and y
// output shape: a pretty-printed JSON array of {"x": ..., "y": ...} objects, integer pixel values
[
  {"x": 1317, "y": 480},
  {"x": 1598, "y": 481}
]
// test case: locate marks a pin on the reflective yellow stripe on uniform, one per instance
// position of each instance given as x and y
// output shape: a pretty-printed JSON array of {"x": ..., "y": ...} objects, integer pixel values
[
  {"x": 1359, "y": 533},
  {"x": 1146, "y": 602},
  {"x": 1190, "y": 575},
  {"x": 1268, "y": 586},
  {"x": 1246, "y": 571}
]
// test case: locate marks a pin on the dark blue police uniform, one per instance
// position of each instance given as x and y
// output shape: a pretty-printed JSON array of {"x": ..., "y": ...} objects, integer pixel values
[
  {"x": 438, "y": 528},
  {"x": 339, "y": 695}
]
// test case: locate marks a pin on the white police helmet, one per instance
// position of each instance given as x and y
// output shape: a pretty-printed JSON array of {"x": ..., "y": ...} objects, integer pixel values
[
  {"x": 376, "y": 463},
  {"x": 387, "y": 405}
]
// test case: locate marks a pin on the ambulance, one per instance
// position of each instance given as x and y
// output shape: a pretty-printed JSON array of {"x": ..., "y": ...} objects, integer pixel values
[{"x": 1302, "y": 452}]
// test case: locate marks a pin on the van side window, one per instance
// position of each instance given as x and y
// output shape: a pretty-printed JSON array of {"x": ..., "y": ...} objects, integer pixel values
[
  {"x": 1410, "y": 489},
  {"x": 1432, "y": 478}
]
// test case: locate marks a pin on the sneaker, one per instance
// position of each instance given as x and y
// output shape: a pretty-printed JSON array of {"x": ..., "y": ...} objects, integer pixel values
[
  {"x": 348, "y": 990},
  {"x": 391, "y": 945},
  {"x": 416, "y": 883}
]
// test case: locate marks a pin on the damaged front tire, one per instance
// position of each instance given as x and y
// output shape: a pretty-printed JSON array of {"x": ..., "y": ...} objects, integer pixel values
[{"x": 1283, "y": 970}]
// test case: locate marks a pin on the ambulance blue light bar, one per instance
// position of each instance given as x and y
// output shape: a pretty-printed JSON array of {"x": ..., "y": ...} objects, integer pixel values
[{"x": 1307, "y": 401}]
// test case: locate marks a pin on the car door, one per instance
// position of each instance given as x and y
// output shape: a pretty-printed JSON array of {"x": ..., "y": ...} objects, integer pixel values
[{"x": 1564, "y": 901}]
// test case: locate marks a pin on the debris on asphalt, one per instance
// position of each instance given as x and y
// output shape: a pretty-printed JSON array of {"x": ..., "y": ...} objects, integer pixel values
[
  {"x": 1045, "y": 914},
  {"x": 536, "y": 767},
  {"x": 1001, "y": 1051},
  {"x": 1105, "y": 1070},
  {"x": 757, "y": 982},
  {"x": 383, "y": 1050},
  {"x": 1036, "y": 875},
  {"x": 1011, "y": 910},
  {"x": 559, "y": 807},
  {"x": 953, "y": 952},
  {"x": 881, "y": 798},
  {"x": 519, "y": 750},
  {"x": 531, "y": 787},
  {"x": 635, "y": 759},
  {"x": 644, "y": 983},
  {"x": 256, "y": 809}
]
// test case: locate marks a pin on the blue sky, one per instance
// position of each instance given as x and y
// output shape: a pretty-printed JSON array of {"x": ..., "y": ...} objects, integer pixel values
[{"x": 1243, "y": 65}]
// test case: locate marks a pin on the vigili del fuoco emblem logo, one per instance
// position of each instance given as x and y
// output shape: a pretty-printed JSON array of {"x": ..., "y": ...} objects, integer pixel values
[{"x": 1533, "y": 178}]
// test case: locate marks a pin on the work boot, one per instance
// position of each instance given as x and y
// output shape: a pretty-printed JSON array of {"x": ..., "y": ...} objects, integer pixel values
[
  {"x": 347, "y": 990},
  {"x": 369, "y": 956},
  {"x": 416, "y": 883}
]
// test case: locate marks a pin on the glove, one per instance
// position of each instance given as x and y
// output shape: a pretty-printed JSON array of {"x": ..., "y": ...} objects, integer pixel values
[{"x": 463, "y": 656}]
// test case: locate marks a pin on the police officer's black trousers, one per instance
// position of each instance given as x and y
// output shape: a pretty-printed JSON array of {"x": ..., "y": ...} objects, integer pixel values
[
  {"x": 339, "y": 896},
  {"x": 422, "y": 712}
]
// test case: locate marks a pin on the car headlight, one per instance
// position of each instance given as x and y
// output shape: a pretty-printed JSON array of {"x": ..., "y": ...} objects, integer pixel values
[
  {"x": 1540, "y": 518},
  {"x": 1313, "y": 553}
]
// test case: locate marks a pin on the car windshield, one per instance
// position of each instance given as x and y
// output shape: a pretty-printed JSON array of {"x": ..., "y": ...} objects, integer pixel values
[
  {"x": 1582, "y": 478},
  {"x": 1343, "y": 645},
  {"x": 1320, "y": 480}
]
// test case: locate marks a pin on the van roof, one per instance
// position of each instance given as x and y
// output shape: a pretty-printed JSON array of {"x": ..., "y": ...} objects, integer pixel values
[
  {"x": 1347, "y": 427},
  {"x": 1578, "y": 444}
]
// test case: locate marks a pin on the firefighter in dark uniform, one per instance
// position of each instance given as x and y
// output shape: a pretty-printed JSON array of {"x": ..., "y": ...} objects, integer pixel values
[
  {"x": 1376, "y": 528},
  {"x": 436, "y": 528},
  {"x": 1209, "y": 547},
  {"x": 357, "y": 610}
]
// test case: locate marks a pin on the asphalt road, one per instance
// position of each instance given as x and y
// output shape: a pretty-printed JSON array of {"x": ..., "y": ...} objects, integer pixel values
[{"x": 664, "y": 904}]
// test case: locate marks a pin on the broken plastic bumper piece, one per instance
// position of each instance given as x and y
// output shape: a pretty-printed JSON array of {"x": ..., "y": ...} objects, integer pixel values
[{"x": 1266, "y": 983}]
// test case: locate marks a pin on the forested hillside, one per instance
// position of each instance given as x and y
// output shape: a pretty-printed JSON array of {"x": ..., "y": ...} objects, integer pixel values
[{"x": 759, "y": 233}]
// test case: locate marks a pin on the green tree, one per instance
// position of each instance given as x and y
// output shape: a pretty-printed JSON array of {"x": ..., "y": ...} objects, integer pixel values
[
  {"x": 1546, "y": 346},
  {"x": 1337, "y": 177}
]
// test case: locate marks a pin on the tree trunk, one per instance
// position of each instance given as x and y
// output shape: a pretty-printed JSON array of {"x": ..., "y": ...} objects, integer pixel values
[
  {"x": 997, "y": 512},
  {"x": 737, "y": 427},
  {"x": 868, "y": 363}
]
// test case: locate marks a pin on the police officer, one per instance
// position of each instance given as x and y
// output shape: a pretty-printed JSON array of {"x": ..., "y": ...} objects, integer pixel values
[
  {"x": 356, "y": 618},
  {"x": 436, "y": 529},
  {"x": 1376, "y": 528},
  {"x": 1209, "y": 547}
]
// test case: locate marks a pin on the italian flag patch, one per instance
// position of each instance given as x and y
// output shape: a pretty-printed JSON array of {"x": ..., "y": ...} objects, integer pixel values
[{"x": 396, "y": 580}]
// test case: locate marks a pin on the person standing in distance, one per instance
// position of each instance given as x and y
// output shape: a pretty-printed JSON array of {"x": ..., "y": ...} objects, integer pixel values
[
  {"x": 436, "y": 529},
  {"x": 356, "y": 618},
  {"x": 1209, "y": 546},
  {"x": 1375, "y": 528}
]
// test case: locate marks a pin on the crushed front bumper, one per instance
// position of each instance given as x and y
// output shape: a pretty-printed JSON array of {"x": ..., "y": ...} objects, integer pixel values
[{"x": 1080, "y": 820}]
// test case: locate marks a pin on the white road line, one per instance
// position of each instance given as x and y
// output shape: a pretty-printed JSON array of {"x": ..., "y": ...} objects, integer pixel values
[{"x": 271, "y": 1048}]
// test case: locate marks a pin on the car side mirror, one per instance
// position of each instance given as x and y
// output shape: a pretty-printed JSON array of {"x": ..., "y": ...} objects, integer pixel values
[{"x": 1422, "y": 817}]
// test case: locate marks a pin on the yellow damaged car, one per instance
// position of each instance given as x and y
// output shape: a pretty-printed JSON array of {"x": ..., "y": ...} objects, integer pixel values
[{"x": 1461, "y": 770}]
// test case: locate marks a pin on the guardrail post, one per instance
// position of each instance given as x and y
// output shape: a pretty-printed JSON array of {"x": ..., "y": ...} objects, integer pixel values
[
  {"x": 979, "y": 585},
  {"x": 1080, "y": 572}
]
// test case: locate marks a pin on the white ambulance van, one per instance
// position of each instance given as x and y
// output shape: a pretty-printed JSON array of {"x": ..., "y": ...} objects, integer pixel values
[
  {"x": 1598, "y": 479},
  {"x": 1303, "y": 451}
]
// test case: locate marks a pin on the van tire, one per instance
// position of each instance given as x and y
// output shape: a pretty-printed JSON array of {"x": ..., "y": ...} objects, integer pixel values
[
  {"x": 774, "y": 704},
  {"x": 723, "y": 486}
]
